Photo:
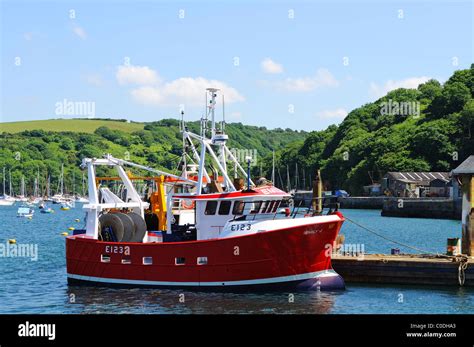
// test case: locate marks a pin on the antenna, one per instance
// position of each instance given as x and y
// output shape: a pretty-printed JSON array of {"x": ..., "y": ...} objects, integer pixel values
[
  {"x": 212, "y": 109},
  {"x": 185, "y": 164},
  {"x": 223, "y": 114}
]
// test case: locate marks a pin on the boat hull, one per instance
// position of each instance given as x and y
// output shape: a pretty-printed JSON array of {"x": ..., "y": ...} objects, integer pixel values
[{"x": 297, "y": 257}]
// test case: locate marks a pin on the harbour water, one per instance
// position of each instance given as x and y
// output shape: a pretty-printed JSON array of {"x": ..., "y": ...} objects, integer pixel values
[{"x": 40, "y": 286}]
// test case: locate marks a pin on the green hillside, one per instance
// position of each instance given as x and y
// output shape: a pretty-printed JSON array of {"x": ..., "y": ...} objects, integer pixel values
[
  {"x": 73, "y": 125},
  {"x": 371, "y": 141},
  {"x": 368, "y": 143},
  {"x": 29, "y": 147}
]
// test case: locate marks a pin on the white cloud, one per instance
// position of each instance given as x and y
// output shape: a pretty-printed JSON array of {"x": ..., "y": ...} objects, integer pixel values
[
  {"x": 377, "y": 91},
  {"x": 141, "y": 75},
  {"x": 337, "y": 114},
  {"x": 322, "y": 78},
  {"x": 148, "y": 95},
  {"x": 79, "y": 31},
  {"x": 152, "y": 90},
  {"x": 271, "y": 67}
]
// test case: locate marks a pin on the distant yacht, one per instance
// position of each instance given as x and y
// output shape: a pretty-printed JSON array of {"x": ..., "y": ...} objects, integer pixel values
[
  {"x": 6, "y": 200},
  {"x": 82, "y": 199}
]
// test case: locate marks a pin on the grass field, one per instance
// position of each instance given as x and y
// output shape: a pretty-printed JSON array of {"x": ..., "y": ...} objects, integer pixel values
[{"x": 74, "y": 125}]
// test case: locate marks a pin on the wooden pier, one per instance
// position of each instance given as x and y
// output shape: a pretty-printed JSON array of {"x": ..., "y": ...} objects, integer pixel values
[{"x": 405, "y": 269}]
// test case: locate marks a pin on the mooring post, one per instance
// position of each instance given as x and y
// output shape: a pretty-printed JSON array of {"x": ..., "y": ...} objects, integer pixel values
[
  {"x": 465, "y": 175},
  {"x": 317, "y": 193}
]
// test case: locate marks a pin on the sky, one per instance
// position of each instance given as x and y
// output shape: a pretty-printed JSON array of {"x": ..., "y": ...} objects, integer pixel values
[{"x": 301, "y": 65}]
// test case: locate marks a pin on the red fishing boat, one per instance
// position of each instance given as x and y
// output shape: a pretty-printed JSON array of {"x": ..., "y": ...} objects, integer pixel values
[{"x": 201, "y": 229}]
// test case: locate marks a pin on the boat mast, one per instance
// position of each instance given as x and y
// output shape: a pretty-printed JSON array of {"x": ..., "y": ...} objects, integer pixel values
[
  {"x": 288, "y": 182},
  {"x": 22, "y": 186},
  {"x": 10, "y": 181},
  {"x": 38, "y": 183},
  {"x": 218, "y": 139},
  {"x": 61, "y": 180},
  {"x": 273, "y": 168},
  {"x": 296, "y": 177},
  {"x": 183, "y": 159},
  {"x": 304, "y": 180},
  {"x": 4, "y": 181}
]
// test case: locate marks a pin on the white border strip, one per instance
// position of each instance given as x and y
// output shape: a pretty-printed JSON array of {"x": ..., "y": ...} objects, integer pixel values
[{"x": 324, "y": 273}]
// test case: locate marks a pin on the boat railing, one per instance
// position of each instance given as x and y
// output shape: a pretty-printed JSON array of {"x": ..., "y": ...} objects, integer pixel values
[
  {"x": 296, "y": 208},
  {"x": 306, "y": 207}
]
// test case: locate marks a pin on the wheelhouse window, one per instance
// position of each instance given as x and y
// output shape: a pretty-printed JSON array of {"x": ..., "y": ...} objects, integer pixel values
[
  {"x": 270, "y": 206},
  {"x": 277, "y": 204},
  {"x": 264, "y": 206},
  {"x": 256, "y": 207},
  {"x": 224, "y": 207},
  {"x": 211, "y": 208},
  {"x": 238, "y": 207}
]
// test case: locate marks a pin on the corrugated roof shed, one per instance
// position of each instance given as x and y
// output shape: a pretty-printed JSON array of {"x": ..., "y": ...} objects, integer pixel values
[
  {"x": 466, "y": 167},
  {"x": 423, "y": 178}
]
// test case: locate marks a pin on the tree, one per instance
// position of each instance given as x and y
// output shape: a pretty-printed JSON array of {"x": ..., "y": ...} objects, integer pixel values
[
  {"x": 452, "y": 99},
  {"x": 467, "y": 118},
  {"x": 429, "y": 90}
]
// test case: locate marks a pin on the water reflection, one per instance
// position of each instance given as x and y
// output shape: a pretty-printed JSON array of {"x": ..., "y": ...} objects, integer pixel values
[{"x": 152, "y": 301}]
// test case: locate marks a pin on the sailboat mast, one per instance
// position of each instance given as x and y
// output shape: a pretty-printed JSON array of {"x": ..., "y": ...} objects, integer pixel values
[
  {"x": 296, "y": 177},
  {"x": 10, "y": 182},
  {"x": 304, "y": 180},
  {"x": 288, "y": 183},
  {"x": 4, "y": 181},
  {"x": 273, "y": 168},
  {"x": 62, "y": 179}
]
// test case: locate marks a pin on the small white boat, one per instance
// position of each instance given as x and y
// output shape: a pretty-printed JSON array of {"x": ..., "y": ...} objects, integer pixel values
[
  {"x": 82, "y": 199},
  {"x": 26, "y": 212},
  {"x": 6, "y": 200}
]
